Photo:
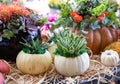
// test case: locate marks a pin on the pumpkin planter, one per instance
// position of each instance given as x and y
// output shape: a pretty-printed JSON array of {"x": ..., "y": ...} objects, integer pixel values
[
  {"x": 33, "y": 63},
  {"x": 34, "y": 58},
  {"x": 71, "y": 57},
  {"x": 98, "y": 39},
  {"x": 72, "y": 66}
]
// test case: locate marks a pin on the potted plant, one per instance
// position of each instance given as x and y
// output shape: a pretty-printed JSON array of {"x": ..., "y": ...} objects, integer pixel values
[
  {"x": 71, "y": 57},
  {"x": 96, "y": 20},
  {"x": 34, "y": 58},
  {"x": 16, "y": 22}
]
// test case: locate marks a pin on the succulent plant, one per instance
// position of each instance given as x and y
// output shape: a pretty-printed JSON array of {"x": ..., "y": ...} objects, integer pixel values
[
  {"x": 35, "y": 46},
  {"x": 69, "y": 45}
]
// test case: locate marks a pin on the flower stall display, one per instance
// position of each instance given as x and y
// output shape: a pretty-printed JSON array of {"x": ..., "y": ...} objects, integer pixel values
[
  {"x": 71, "y": 57},
  {"x": 16, "y": 23},
  {"x": 96, "y": 20},
  {"x": 34, "y": 58}
]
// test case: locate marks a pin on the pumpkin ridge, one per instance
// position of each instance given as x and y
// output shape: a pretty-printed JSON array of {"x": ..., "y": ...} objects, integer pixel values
[
  {"x": 106, "y": 34},
  {"x": 89, "y": 38},
  {"x": 114, "y": 33},
  {"x": 96, "y": 41}
]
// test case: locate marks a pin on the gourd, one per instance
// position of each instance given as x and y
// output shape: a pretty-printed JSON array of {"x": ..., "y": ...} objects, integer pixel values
[
  {"x": 110, "y": 58},
  {"x": 71, "y": 57},
  {"x": 72, "y": 66},
  {"x": 33, "y": 63},
  {"x": 114, "y": 46},
  {"x": 34, "y": 58}
]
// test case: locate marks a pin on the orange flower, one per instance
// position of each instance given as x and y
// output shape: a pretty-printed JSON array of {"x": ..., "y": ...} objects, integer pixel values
[
  {"x": 73, "y": 13},
  {"x": 7, "y": 10},
  {"x": 102, "y": 15},
  {"x": 77, "y": 18},
  {"x": 100, "y": 18}
]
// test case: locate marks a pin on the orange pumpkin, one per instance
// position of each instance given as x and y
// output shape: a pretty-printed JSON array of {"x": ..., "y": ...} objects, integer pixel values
[{"x": 98, "y": 39}]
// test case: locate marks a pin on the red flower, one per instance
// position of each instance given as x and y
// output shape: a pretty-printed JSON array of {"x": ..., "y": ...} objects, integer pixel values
[
  {"x": 77, "y": 18},
  {"x": 102, "y": 15},
  {"x": 74, "y": 13},
  {"x": 100, "y": 18}
]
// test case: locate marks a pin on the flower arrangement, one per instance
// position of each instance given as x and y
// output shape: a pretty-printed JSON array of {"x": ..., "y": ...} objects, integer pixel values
[
  {"x": 16, "y": 22},
  {"x": 93, "y": 19},
  {"x": 15, "y": 18},
  {"x": 88, "y": 13}
]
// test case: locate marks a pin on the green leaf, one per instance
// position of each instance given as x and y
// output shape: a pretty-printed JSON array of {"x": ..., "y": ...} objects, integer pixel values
[
  {"x": 94, "y": 24},
  {"x": 41, "y": 22},
  {"x": 107, "y": 22},
  {"x": 26, "y": 50},
  {"x": 7, "y": 34},
  {"x": 112, "y": 6},
  {"x": 35, "y": 47}
]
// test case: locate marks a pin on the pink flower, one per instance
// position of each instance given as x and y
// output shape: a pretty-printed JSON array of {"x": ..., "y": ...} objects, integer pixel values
[
  {"x": 51, "y": 19},
  {"x": 45, "y": 27},
  {"x": 45, "y": 32}
]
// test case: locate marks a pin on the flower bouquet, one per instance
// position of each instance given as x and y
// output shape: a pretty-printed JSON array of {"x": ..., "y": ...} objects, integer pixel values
[
  {"x": 94, "y": 19},
  {"x": 16, "y": 23}
]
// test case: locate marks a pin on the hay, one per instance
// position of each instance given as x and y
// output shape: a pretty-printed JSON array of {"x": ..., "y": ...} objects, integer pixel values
[{"x": 52, "y": 77}]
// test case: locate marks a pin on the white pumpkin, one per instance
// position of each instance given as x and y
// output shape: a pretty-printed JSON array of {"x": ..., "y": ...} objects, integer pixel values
[
  {"x": 51, "y": 49},
  {"x": 72, "y": 66},
  {"x": 110, "y": 58},
  {"x": 33, "y": 63}
]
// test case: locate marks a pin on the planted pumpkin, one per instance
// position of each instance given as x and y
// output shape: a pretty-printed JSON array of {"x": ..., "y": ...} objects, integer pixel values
[
  {"x": 71, "y": 57},
  {"x": 34, "y": 58},
  {"x": 97, "y": 22}
]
